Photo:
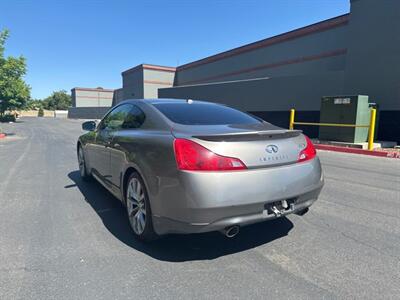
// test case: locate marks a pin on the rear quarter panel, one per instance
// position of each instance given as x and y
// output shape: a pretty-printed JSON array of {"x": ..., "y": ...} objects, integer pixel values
[{"x": 151, "y": 154}]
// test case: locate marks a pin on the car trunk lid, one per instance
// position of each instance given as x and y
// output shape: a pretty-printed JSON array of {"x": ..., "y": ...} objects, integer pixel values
[{"x": 256, "y": 145}]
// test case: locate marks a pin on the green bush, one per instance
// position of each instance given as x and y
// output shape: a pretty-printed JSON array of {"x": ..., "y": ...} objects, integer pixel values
[
  {"x": 7, "y": 118},
  {"x": 41, "y": 112}
]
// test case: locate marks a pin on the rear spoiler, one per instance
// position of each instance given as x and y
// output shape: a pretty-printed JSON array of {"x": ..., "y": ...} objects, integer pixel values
[{"x": 249, "y": 135}]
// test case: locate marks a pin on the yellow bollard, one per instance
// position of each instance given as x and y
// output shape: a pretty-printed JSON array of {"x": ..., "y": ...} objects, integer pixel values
[
  {"x": 291, "y": 120},
  {"x": 371, "y": 133}
]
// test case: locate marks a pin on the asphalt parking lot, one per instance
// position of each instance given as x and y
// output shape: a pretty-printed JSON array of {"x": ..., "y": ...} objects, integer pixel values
[{"x": 61, "y": 238}]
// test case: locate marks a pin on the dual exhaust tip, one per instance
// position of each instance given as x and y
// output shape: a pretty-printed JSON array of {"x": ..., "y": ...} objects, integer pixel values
[{"x": 231, "y": 231}]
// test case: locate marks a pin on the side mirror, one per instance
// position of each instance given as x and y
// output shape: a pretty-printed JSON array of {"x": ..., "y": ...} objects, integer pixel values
[{"x": 89, "y": 125}]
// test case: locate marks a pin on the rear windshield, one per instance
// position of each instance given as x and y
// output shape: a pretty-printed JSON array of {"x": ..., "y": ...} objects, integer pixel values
[{"x": 204, "y": 114}]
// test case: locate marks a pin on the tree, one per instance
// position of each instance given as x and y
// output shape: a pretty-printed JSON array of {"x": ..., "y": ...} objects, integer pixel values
[
  {"x": 14, "y": 92},
  {"x": 33, "y": 104},
  {"x": 58, "y": 100}
]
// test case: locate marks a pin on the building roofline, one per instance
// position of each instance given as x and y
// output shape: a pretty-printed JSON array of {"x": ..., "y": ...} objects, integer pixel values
[
  {"x": 92, "y": 89},
  {"x": 300, "y": 32},
  {"x": 149, "y": 67}
]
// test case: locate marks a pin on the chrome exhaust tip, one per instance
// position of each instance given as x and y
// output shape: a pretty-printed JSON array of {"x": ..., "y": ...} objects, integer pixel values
[
  {"x": 231, "y": 231},
  {"x": 302, "y": 212}
]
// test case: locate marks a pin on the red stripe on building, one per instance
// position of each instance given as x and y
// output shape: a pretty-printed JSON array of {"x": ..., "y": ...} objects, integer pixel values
[
  {"x": 150, "y": 67},
  {"x": 297, "y": 60},
  {"x": 158, "y": 82}
]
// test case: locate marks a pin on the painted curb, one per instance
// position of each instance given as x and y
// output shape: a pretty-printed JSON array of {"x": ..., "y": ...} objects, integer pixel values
[{"x": 357, "y": 151}]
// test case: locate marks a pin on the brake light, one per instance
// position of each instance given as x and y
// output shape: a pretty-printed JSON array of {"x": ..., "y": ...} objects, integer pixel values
[
  {"x": 194, "y": 157},
  {"x": 308, "y": 152}
]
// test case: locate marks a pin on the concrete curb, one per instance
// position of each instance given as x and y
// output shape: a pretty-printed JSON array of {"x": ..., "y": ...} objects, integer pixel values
[
  {"x": 2, "y": 135},
  {"x": 358, "y": 151}
]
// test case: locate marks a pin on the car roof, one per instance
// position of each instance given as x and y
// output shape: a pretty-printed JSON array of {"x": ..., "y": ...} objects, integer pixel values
[{"x": 163, "y": 100}]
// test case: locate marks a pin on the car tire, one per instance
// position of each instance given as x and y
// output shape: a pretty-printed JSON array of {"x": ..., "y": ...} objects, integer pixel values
[
  {"x": 85, "y": 175},
  {"x": 138, "y": 208}
]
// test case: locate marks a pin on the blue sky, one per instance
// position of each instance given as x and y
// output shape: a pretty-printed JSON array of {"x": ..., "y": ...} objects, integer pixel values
[{"x": 88, "y": 43}]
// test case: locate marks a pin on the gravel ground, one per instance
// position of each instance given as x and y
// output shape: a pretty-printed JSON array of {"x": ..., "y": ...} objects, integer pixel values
[{"x": 61, "y": 238}]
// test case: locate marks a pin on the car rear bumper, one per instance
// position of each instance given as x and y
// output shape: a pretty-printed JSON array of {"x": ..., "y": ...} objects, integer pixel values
[{"x": 207, "y": 201}]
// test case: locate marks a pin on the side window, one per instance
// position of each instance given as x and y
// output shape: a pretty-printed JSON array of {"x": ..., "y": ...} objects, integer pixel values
[
  {"x": 134, "y": 119},
  {"x": 115, "y": 119}
]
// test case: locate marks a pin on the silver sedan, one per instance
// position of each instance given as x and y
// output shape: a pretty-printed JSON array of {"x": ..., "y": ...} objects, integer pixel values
[{"x": 184, "y": 166}]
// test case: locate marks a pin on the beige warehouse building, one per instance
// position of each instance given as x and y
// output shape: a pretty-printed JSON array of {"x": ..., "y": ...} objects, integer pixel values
[{"x": 90, "y": 103}]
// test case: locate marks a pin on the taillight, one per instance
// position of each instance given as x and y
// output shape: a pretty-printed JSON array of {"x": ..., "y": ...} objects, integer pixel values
[
  {"x": 308, "y": 152},
  {"x": 194, "y": 157}
]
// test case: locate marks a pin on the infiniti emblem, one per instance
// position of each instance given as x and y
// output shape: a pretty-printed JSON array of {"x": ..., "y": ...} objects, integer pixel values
[{"x": 272, "y": 149}]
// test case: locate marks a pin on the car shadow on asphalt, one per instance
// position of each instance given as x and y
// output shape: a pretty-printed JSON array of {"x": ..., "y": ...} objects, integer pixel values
[{"x": 176, "y": 248}]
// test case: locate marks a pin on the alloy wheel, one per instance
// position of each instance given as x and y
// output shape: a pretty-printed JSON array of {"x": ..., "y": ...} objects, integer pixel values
[
  {"x": 81, "y": 161},
  {"x": 136, "y": 206}
]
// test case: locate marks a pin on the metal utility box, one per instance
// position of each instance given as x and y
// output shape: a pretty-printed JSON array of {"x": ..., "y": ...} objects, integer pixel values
[{"x": 344, "y": 110}]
